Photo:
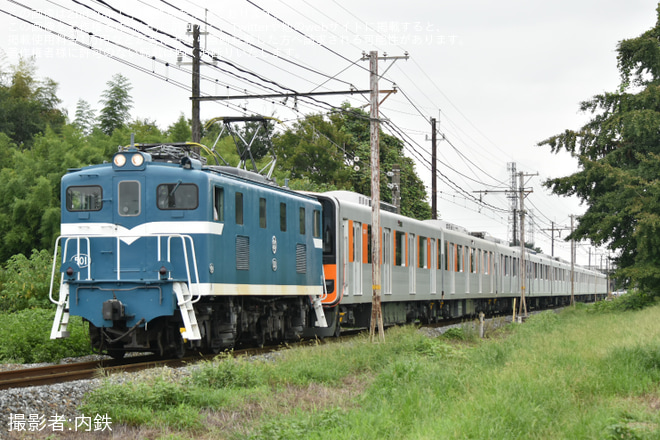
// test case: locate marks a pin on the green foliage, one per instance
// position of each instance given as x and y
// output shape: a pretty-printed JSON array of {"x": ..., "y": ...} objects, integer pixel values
[
  {"x": 24, "y": 283},
  {"x": 618, "y": 152},
  {"x": 180, "y": 131},
  {"x": 28, "y": 105},
  {"x": 85, "y": 118},
  {"x": 334, "y": 153},
  {"x": 117, "y": 104},
  {"x": 228, "y": 371},
  {"x": 24, "y": 337},
  {"x": 635, "y": 300},
  {"x": 302, "y": 425},
  {"x": 158, "y": 402}
]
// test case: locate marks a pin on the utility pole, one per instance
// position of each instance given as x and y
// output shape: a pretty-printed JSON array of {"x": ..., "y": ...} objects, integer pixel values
[
  {"x": 519, "y": 195},
  {"x": 572, "y": 263},
  {"x": 434, "y": 189},
  {"x": 196, "y": 123},
  {"x": 374, "y": 127},
  {"x": 523, "y": 251},
  {"x": 511, "y": 167}
]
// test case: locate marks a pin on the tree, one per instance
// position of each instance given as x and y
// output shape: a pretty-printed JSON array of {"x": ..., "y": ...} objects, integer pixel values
[
  {"x": 618, "y": 152},
  {"x": 117, "y": 104},
  {"x": 180, "y": 131},
  {"x": 335, "y": 152},
  {"x": 28, "y": 105},
  {"x": 85, "y": 117}
]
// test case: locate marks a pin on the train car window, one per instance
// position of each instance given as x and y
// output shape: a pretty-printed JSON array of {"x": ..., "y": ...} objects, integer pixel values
[
  {"x": 301, "y": 219},
  {"x": 283, "y": 217},
  {"x": 177, "y": 196},
  {"x": 329, "y": 228},
  {"x": 423, "y": 252},
  {"x": 400, "y": 245},
  {"x": 368, "y": 244},
  {"x": 239, "y": 208},
  {"x": 262, "y": 212},
  {"x": 317, "y": 224},
  {"x": 84, "y": 198},
  {"x": 129, "y": 198},
  {"x": 218, "y": 204}
]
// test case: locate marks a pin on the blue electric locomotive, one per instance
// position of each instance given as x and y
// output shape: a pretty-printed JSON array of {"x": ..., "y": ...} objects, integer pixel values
[{"x": 160, "y": 252}]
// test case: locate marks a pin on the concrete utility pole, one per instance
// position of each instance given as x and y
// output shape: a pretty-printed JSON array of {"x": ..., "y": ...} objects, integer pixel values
[
  {"x": 434, "y": 189},
  {"x": 376, "y": 307},
  {"x": 572, "y": 263},
  {"x": 196, "y": 123},
  {"x": 523, "y": 250}
]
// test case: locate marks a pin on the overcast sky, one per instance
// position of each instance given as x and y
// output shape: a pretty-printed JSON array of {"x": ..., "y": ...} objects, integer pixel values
[{"x": 500, "y": 76}]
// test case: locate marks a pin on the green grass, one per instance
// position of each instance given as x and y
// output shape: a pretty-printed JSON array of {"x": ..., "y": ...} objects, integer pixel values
[{"x": 577, "y": 374}]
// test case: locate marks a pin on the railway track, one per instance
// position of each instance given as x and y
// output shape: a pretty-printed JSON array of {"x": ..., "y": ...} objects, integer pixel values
[
  {"x": 28, "y": 377},
  {"x": 52, "y": 374}
]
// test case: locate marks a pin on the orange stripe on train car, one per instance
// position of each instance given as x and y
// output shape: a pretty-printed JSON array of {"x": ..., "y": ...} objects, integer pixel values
[{"x": 330, "y": 271}]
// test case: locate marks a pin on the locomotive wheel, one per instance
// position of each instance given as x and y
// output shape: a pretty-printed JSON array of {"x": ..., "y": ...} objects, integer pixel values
[{"x": 178, "y": 346}]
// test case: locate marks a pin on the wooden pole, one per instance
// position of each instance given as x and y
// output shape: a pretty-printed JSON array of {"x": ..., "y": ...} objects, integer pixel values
[{"x": 376, "y": 307}]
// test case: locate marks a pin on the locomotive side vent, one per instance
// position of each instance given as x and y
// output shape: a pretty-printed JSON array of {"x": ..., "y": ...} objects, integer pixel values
[
  {"x": 242, "y": 252},
  {"x": 301, "y": 258}
]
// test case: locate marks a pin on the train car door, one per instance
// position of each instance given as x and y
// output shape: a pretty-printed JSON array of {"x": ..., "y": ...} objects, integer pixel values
[{"x": 387, "y": 261}]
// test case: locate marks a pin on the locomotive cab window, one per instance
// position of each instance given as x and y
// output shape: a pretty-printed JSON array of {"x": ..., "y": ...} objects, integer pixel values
[
  {"x": 129, "y": 198},
  {"x": 177, "y": 196},
  {"x": 84, "y": 198}
]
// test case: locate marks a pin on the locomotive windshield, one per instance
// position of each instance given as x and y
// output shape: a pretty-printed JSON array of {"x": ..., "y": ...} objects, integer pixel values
[
  {"x": 84, "y": 198},
  {"x": 328, "y": 231},
  {"x": 177, "y": 196},
  {"x": 129, "y": 198}
]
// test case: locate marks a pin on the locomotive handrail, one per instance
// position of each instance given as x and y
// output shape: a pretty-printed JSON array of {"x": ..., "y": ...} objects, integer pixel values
[
  {"x": 183, "y": 238},
  {"x": 64, "y": 253},
  {"x": 63, "y": 240}
]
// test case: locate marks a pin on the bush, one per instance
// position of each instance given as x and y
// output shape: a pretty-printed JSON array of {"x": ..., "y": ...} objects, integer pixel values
[
  {"x": 24, "y": 283},
  {"x": 25, "y": 337},
  {"x": 634, "y": 300}
]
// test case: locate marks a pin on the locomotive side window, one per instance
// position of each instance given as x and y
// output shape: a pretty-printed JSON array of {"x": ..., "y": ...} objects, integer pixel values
[
  {"x": 177, "y": 196},
  {"x": 84, "y": 198},
  {"x": 129, "y": 198},
  {"x": 283, "y": 217},
  {"x": 219, "y": 204},
  {"x": 262, "y": 212},
  {"x": 302, "y": 220},
  {"x": 239, "y": 208}
]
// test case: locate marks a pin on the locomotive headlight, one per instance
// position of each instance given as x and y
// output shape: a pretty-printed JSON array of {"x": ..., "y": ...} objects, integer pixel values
[
  {"x": 119, "y": 160},
  {"x": 137, "y": 160}
]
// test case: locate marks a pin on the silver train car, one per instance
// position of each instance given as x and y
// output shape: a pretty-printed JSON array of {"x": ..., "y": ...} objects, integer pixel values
[{"x": 432, "y": 270}]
